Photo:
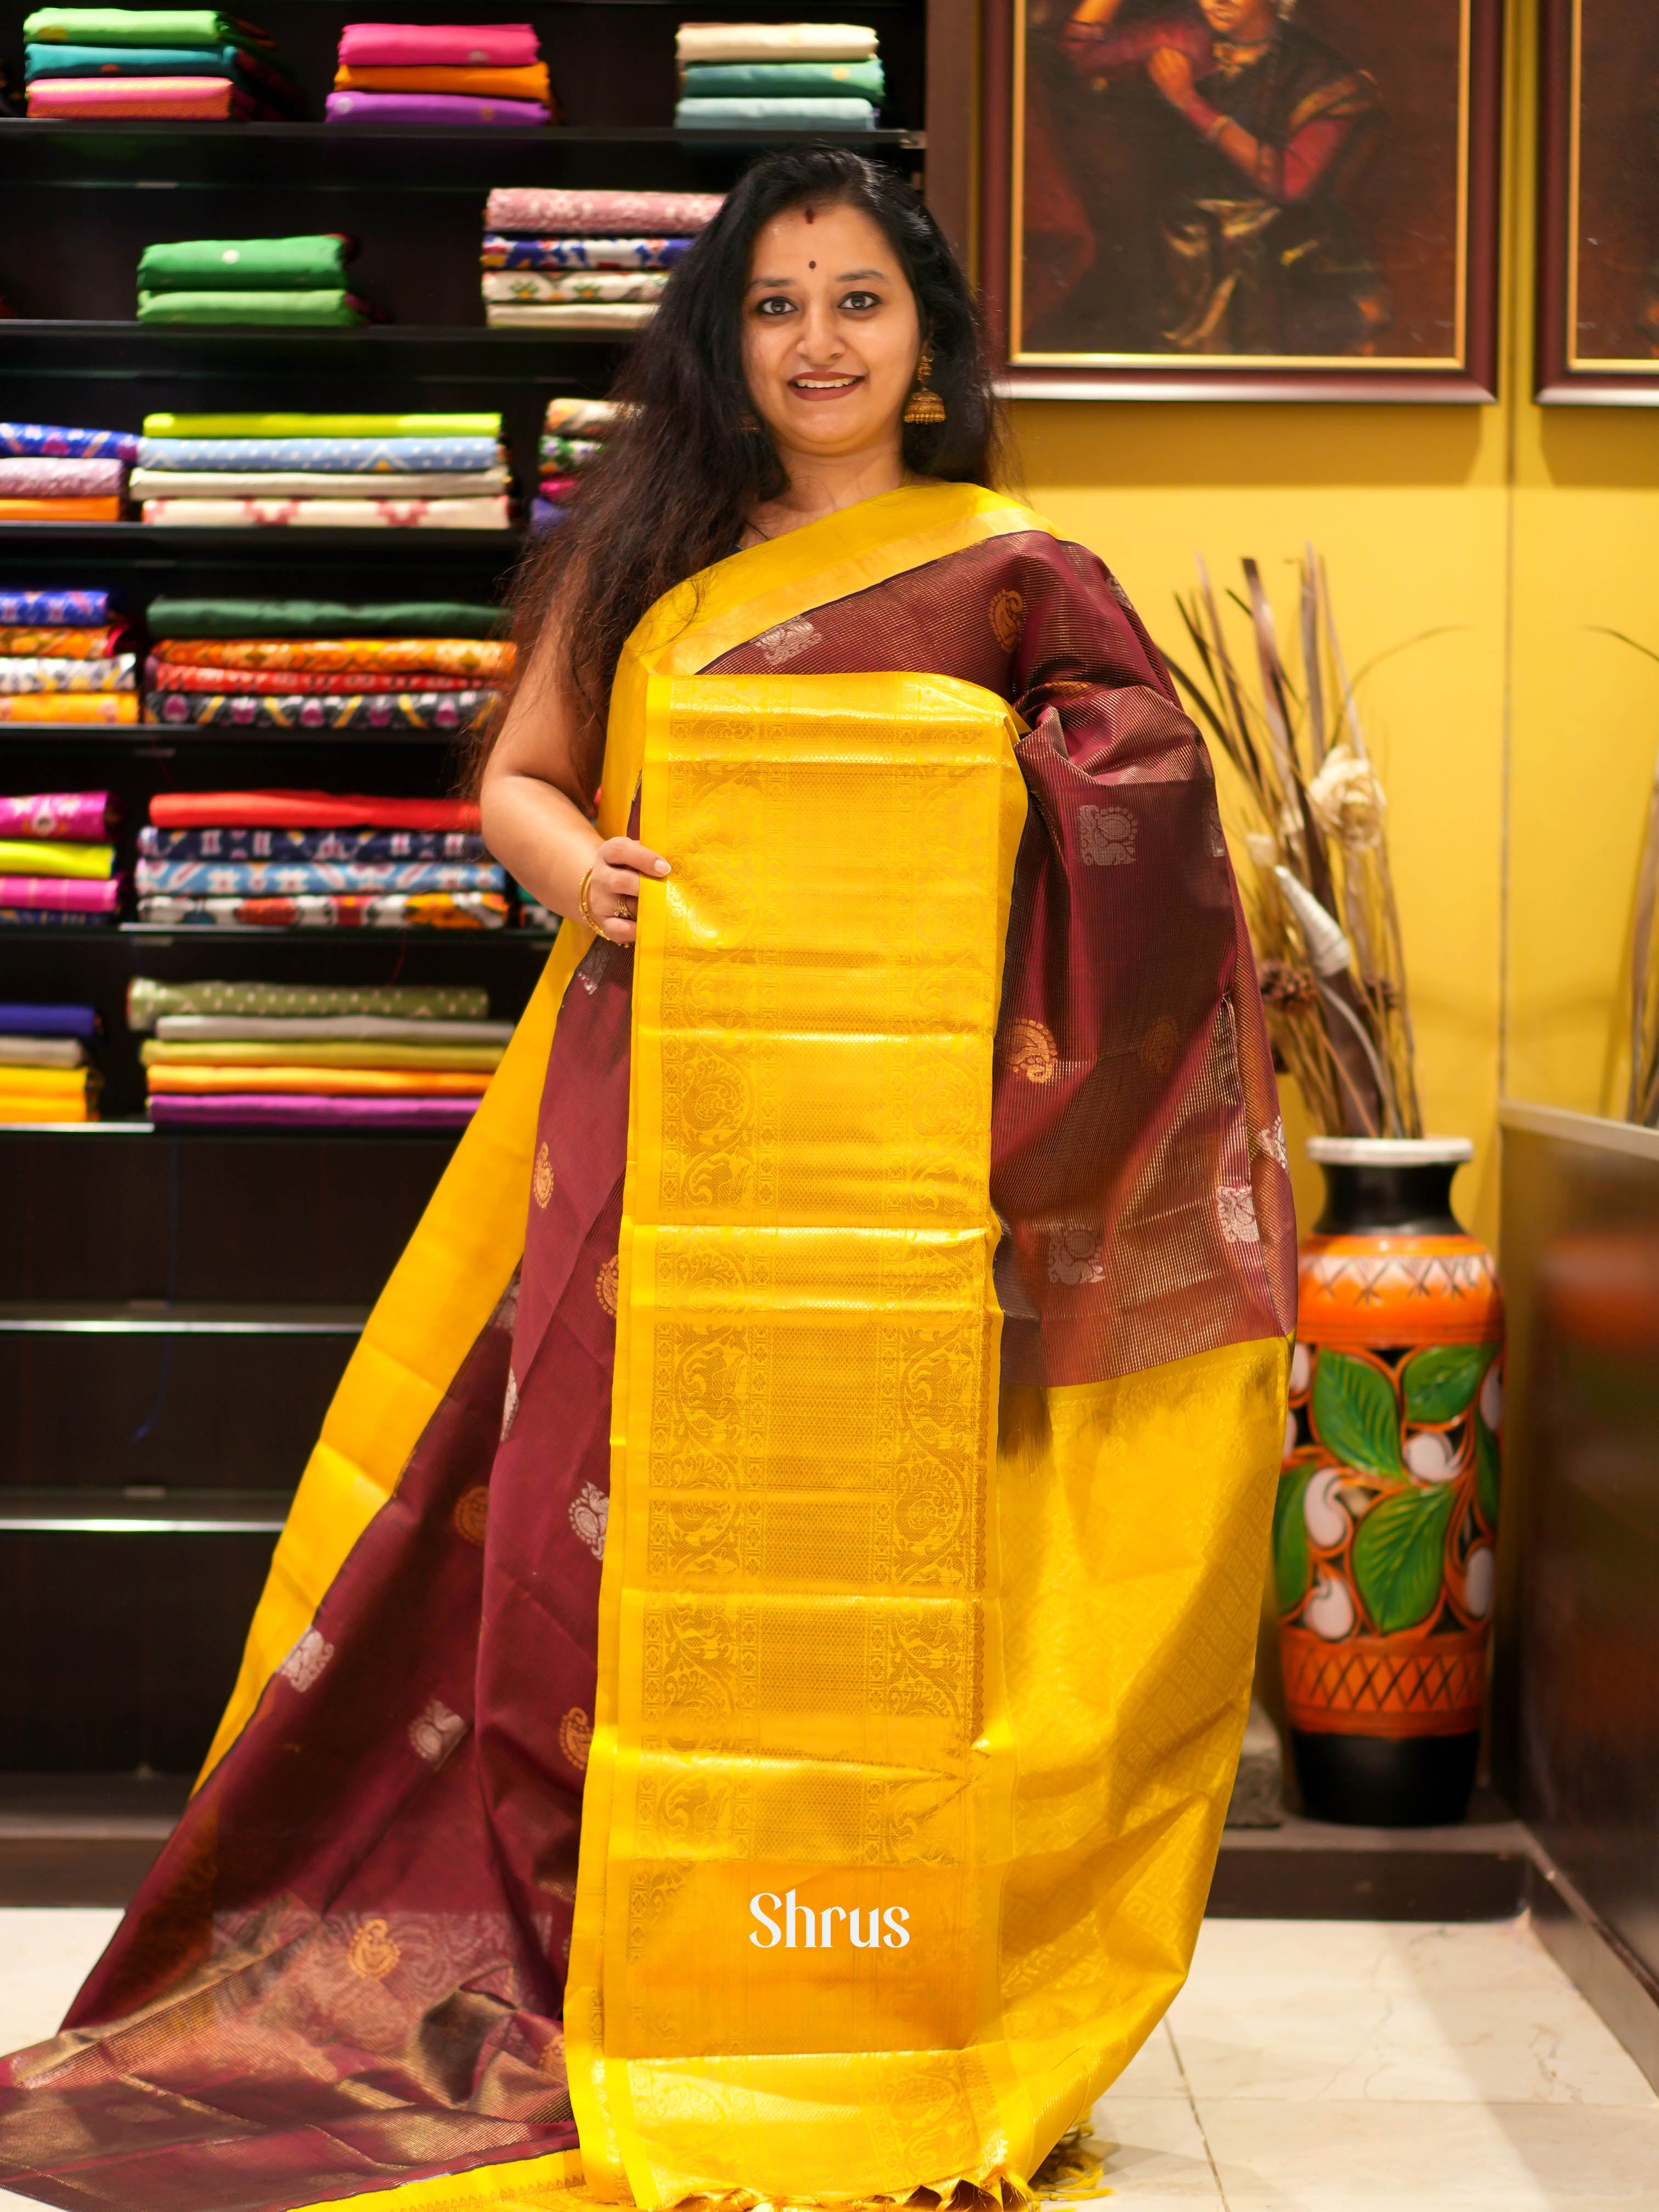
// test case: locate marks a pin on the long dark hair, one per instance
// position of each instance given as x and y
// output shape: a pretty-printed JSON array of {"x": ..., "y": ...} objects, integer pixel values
[{"x": 687, "y": 462}]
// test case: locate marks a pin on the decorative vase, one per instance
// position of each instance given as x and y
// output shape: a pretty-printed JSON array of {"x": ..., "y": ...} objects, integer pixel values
[{"x": 1385, "y": 1525}]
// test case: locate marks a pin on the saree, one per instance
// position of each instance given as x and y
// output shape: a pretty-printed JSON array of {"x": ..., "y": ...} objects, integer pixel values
[{"x": 803, "y": 1490}]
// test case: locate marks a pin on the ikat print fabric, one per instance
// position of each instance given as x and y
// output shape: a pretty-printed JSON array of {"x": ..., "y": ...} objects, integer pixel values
[
  {"x": 583, "y": 252},
  {"x": 268, "y": 879},
  {"x": 70, "y": 610},
  {"x": 398, "y": 457},
  {"x": 53, "y": 472},
  {"x": 19, "y": 675},
  {"x": 573, "y": 433},
  {"x": 60, "y": 657},
  {"x": 54, "y": 437},
  {"x": 337, "y": 910},
  {"x": 376, "y": 710},
  {"x": 298, "y": 845}
]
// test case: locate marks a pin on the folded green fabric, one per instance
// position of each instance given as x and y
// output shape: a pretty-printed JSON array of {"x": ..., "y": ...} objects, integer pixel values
[
  {"x": 332, "y": 309},
  {"x": 783, "y": 80},
  {"x": 168, "y": 617},
  {"x": 244, "y": 265},
  {"x": 138, "y": 26}
]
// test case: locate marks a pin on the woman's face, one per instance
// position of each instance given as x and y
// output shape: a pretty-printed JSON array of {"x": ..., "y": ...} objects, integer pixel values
[
  {"x": 1244, "y": 20},
  {"x": 831, "y": 332}
]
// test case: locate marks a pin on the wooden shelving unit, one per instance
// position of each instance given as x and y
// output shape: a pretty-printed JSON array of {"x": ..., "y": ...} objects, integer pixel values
[{"x": 175, "y": 1310}]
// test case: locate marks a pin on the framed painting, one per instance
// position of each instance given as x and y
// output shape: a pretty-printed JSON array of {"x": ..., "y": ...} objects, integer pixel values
[
  {"x": 1227, "y": 199},
  {"x": 1598, "y": 247}
]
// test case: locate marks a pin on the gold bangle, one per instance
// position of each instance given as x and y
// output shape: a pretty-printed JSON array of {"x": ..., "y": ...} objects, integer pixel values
[{"x": 583, "y": 908}]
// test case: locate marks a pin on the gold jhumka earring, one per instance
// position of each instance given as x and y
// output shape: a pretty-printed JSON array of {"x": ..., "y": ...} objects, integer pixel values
[{"x": 923, "y": 405}]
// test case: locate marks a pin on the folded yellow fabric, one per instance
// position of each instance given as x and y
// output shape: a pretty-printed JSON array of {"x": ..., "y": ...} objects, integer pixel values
[
  {"x": 345, "y": 1082},
  {"x": 528, "y": 82},
  {"x": 43, "y": 1083},
  {"x": 211, "y": 1052},
  {"x": 47, "y": 856}
]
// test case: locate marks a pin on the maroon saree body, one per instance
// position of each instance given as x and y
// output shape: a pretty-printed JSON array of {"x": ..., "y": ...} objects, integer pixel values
[{"x": 346, "y": 1969}]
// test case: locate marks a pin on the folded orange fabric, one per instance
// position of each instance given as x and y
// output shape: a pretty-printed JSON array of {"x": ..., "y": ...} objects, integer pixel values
[
  {"x": 60, "y": 510},
  {"x": 69, "y": 707},
  {"x": 442, "y": 656},
  {"x": 339, "y": 1082},
  {"x": 20, "y": 1106},
  {"x": 529, "y": 82},
  {"x": 19, "y": 644}
]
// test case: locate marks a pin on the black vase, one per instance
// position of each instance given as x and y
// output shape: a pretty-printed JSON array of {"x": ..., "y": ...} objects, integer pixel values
[{"x": 1385, "y": 1526}]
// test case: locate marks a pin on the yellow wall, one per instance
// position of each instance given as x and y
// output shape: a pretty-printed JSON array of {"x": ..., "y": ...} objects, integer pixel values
[{"x": 1518, "y": 749}]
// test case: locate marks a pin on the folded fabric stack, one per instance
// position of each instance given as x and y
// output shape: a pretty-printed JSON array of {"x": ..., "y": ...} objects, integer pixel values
[
  {"x": 192, "y": 64},
  {"x": 322, "y": 665},
  {"x": 342, "y": 870},
  {"x": 57, "y": 865},
  {"x": 44, "y": 1071},
  {"x": 51, "y": 474},
  {"x": 421, "y": 75},
  {"x": 348, "y": 471},
  {"x": 574, "y": 432},
  {"x": 581, "y": 260},
  {"x": 777, "y": 76},
  {"x": 382, "y": 1056},
  {"x": 297, "y": 282},
  {"x": 62, "y": 659}
]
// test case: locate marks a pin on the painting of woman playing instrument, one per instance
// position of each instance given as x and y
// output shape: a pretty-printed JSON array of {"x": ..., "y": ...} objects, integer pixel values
[{"x": 1215, "y": 182}]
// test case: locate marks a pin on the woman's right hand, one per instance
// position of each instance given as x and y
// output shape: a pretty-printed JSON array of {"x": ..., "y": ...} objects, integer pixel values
[{"x": 613, "y": 888}]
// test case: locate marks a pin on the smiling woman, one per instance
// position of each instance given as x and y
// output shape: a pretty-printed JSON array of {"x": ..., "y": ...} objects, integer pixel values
[{"x": 809, "y": 1473}]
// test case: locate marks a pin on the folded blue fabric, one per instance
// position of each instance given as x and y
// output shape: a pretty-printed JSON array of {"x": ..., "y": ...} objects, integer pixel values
[
  {"x": 295, "y": 878},
  {"x": 784, "y": 80},
  {"x": 326, "y": 456},
  {"x": 40, "y": 61},
  {"x": 73, "y": 445},
  {"x": 28, "y": 1020},
  {"x": 72, "y": 610},
  {"x": 775, "y": 115}
]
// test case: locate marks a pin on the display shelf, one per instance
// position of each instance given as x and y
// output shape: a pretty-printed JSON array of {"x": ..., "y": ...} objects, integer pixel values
[
  {"x": 154, "y": 1317},
  {"x": 153, "y": 736},
  {"x": 157, "y": 544},
  {"x": 144, "y": 1511},
  {"x": 426, "y": 353}
]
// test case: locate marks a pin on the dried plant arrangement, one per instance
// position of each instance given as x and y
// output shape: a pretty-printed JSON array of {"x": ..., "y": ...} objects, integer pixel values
[{"x": 1322, "y": 907}]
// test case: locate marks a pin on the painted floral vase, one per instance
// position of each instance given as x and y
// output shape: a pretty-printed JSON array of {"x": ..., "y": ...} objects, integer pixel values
[{"x": 1386, "y": 1522}]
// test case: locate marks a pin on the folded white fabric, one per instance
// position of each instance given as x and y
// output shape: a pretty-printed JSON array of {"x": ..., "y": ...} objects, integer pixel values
[
  {"x": 28, "y": 675},
  {"x": 570, "y": 315},
  {"x": 775, "y": 42},
  {"x": 42, "y": 1052},
  {"x": 335, "y": 514},
  {"x": 538, "y": 285},
  {"x": 310, "y": 483}
]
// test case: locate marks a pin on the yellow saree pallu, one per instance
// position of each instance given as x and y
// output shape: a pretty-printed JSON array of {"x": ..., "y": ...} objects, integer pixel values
[{"x": 950, "y": 1295}]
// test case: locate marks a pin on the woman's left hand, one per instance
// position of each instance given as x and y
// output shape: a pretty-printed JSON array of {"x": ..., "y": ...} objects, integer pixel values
[
  {"x": 613, "y": 892},
  {"x": 1172, "y": 73}
]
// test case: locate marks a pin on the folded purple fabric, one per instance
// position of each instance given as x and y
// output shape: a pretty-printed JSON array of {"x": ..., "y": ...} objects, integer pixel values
[
  {"x": 295, "y": 1110},
  {"x": 440, "y": 46},
  {"x": 23, "y": 1018},
  {"x": 425, "y": 110},
  {"x": 66, "y": 894}
]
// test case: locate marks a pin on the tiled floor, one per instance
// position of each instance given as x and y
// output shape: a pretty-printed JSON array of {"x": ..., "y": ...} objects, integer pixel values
[{"x": 1309, "y": 2066}]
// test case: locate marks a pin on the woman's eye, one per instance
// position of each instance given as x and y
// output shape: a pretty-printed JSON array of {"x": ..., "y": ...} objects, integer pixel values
[
  {"x": 774, "y": 305},
  {"x": 858, "y": 301}
]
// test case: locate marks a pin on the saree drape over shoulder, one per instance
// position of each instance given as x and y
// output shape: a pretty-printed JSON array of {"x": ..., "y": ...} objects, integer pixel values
[{"x": 745, "y": 1699}]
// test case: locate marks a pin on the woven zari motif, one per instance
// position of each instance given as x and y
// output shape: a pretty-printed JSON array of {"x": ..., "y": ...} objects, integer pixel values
[{"x": 806, "y": 1425}]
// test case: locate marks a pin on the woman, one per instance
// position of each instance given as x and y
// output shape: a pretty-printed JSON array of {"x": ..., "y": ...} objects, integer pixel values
[
  {"x": 896, "y": 1271},
  {"x": 1257, "y": 254}
]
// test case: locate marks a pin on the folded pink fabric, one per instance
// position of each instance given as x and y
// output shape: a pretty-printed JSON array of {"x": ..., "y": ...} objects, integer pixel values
[
  {"x": 541, "y": 211},
  {"x": 38, "y": 475},
  {"x": 83, "y": 817},
  {"x": 66, "y": 894},
  {"x": 443, "y": 46},
  {"x": 194, "y": 99}
]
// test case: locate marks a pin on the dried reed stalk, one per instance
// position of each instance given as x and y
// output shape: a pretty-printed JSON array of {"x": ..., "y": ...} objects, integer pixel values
[{"x": 1323, "y": 911}]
